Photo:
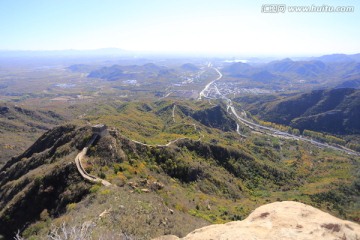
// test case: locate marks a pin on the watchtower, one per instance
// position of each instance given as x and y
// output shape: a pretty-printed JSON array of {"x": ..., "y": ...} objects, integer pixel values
[{"x": 100, "y": 129}]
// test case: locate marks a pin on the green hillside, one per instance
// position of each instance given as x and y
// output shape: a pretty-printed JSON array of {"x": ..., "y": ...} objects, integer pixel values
[
  {"x": 333, "y": 111},
  {"x": 206, "y": 176},
  {"x": 20, "y": 126}
]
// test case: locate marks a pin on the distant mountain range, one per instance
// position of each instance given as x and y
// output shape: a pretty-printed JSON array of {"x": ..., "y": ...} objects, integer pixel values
[
  {"x": 335, "y": 111},
  {"x": 326, "y": 71},
  {"x": 117, "y": 72},
  {"x": 140, "y": 72},
  {"x": 339, "y": 58}
]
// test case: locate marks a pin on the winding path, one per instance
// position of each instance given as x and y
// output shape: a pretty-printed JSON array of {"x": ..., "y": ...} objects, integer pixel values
[
  {"x": 169, "y": 143},
  {"x": 81, "y": 169}
]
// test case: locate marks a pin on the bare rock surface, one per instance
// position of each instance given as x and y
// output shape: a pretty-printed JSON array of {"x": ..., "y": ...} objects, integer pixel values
[{"x": 280, "y": 220}]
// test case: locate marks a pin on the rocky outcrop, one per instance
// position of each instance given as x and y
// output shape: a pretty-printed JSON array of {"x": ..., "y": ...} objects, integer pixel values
[{"x": 280, "y": 220}]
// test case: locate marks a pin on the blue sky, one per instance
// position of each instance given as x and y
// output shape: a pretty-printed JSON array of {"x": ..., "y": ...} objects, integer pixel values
[{"x": 215, "y": 26}]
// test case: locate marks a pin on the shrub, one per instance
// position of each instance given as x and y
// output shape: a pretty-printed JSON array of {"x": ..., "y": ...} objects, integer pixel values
[
  {"x": 95, "y": 188},
  {"x": 101, "y": 175},
  {"x": 34, "y": 229},
  {"x": 105, "y": 192},
  {"x": 70, "y": 206}
]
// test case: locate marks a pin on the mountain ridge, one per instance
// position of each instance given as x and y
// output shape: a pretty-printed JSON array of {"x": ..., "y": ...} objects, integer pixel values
[
  {"x": 312, "y": 72},
  {"x": 221, "y": 173},
  {"x": 333, "y": 111},
  {"x": 28, "y": 123}
]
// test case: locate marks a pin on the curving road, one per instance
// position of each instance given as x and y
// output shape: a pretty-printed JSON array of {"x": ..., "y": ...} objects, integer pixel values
[
  {"x": 262, "y": 129},
  {"x": 205, "y": 92}
]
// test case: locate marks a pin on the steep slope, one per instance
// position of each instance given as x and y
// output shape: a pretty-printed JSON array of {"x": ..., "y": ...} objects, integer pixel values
[
  {"x": 215, "y": 117},
  {"x": 164, "y": 182},
  {"x": 43, "y": 178},
  {"x": 334, "y": 111},
  {"x": 280, "y": 220},
  {"x": 20, "y": 126},
  {"x": 353, "y": 83},
  {"x": 44, "y": 181}
]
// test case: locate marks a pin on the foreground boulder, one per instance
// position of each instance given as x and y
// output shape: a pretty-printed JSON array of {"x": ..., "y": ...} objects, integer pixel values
[{"x": 280, "y": 220}]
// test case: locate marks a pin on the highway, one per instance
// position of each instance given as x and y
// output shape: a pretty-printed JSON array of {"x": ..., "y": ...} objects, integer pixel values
[{"x": 205, "y": 93}]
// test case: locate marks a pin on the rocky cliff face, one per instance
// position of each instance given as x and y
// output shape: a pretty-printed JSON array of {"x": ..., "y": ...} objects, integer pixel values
[{"x": 280, "y": 220}]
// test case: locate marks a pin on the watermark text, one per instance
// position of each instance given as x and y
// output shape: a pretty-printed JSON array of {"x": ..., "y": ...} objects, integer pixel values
[{"x": 282, "y": 8}]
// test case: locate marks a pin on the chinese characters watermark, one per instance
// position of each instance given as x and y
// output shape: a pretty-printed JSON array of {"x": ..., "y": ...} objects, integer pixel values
[{"x": 282, "y": 8}]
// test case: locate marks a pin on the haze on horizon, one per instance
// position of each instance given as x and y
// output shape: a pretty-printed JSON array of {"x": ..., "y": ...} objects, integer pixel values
[{"x": 202, "y": 26}]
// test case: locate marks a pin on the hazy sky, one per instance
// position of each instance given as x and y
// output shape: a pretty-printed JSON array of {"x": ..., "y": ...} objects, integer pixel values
[{"x": 216, "y": 26}]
